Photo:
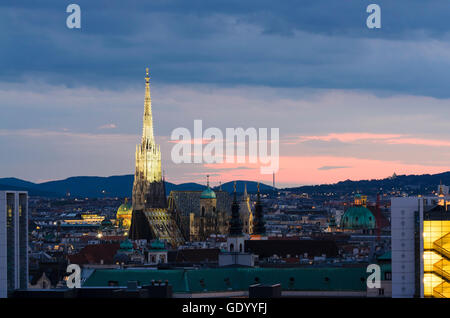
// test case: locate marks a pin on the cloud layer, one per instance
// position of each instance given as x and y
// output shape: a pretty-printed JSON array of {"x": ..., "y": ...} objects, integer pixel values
[{"x": 350, "y": 102}]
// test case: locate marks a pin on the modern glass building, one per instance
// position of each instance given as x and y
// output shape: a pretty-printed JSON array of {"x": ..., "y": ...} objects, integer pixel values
[
  {"x": 13, "y": 241},
  {"x": 420, "y": 228}
]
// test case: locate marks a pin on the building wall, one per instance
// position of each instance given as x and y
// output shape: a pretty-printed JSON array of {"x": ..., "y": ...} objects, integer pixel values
[
  {"x": 384, "y": 291},
  {"x": 13, "y": 241},
  {"x": 3, "y": 246},
  {"x": 403, "y": 213}
]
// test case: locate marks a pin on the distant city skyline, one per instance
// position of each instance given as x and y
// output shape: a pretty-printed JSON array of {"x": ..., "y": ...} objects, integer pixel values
[{"x": 350, "y": 103}]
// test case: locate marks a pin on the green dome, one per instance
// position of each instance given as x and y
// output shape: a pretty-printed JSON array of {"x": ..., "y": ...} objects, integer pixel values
[
  {"x": 208, "y": 194},
  {"x": 124, "y": 209},
  {"x": 126, "y": 245},
  {"x": 358, "y": 217},
  {"x": 106, "y": 222}
]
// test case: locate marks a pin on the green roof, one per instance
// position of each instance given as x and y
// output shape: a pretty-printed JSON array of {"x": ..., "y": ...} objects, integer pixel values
[
  {"x": 106, "y": 222},
  {"x": 385, "y": 257},
  {"x": 126, "y": 245},
  {"x": 358, "y": 217},
  {"x": 157, "y": 244},
  {"x": 208, "y": 193},
  {"x": 223, "y": 279}
]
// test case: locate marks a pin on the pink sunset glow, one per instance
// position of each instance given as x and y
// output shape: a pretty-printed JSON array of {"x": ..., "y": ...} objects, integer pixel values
[{"x": 319, "y": 170}]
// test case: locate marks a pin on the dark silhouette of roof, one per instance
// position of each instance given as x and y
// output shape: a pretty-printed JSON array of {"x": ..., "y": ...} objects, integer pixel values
[
  {"x": 197, "y": 255},
  {"x": 94, "y": 254},
  {"x": 282, "y": 248}
]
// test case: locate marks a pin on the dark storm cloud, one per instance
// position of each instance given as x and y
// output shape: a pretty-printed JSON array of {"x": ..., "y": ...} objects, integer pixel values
[{"x": 319, "y": 44}]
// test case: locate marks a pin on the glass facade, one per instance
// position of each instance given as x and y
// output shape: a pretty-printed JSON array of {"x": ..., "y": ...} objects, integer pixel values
[{"x": 436, "y": 255}]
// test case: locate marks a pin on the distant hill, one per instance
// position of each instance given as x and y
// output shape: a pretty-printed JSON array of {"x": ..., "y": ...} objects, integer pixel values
[
  {"x": 252, "y": 187},
  {"x": 121, "y": 186},
  {"x": 410, "y": 183},
  {"x": 91, "y": 187},
  {"x": 114, "y": 186}
]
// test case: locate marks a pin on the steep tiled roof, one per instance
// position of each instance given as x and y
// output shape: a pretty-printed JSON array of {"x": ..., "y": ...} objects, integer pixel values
[{"x": 94, "y": 254}]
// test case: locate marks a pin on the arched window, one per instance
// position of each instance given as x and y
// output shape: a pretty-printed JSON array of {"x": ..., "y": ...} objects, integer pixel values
[
  {"x": 240, "y": 248},
  {"x": 232, "y": 247},
  {"x": 203, "y": 211}
]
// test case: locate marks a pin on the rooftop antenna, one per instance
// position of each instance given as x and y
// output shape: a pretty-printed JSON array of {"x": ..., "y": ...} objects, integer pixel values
[
  {"x": 378, "y": 216},
  {"x": 273, "y": 179},
  {"x": 273, "y": 183}
]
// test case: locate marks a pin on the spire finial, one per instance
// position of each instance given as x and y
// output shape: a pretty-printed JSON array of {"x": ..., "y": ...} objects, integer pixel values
[
  {"x": 234, "y": 187},
  {"x": 207, "y": 180},
  {"x": 258, "y": 186},
  {"x": 147, "y": 76}
]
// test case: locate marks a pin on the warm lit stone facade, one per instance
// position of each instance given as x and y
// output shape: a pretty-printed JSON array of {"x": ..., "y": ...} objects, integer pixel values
[{"x": 150, "y": 218}]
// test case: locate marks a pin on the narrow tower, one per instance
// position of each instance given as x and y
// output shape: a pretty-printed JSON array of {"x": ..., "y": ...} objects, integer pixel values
[
  {"x": 235, "y": 222},
  {"x": 148, "y": 162},
  {"x": 259, "y": 227},
  {"x": 246, "y": 212},
  {"x": 150, "y": 218}
]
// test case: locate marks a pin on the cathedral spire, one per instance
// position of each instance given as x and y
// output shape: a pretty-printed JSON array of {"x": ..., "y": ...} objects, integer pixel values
[
  {"x": 147, "y": 133},
  {"x": 148, "y": 158}
]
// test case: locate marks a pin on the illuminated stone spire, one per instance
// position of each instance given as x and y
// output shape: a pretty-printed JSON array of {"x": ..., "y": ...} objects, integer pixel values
[
  {"x": 245, "y": 212},
  {"x": 148, "y": 158},
  {"x": 147, "y": 128}
]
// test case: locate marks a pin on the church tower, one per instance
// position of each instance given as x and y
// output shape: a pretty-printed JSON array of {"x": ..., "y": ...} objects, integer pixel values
[
  {"x": 236, "y": 239},
  {"x": 150, "y": 218},
  {"x": 148, "y": 160},
  {"x": 259, "y": 228},
  {"x": 245, "y": 212}
]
